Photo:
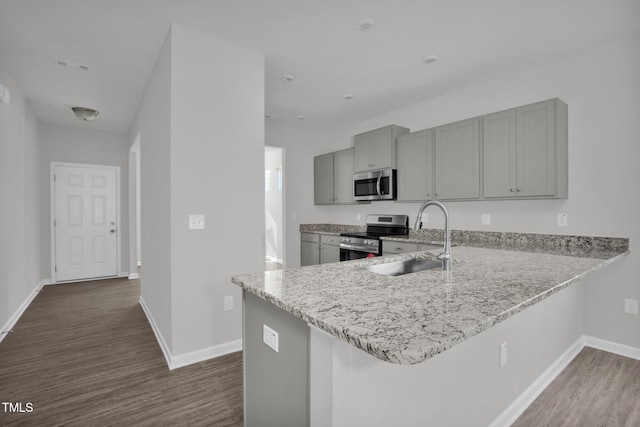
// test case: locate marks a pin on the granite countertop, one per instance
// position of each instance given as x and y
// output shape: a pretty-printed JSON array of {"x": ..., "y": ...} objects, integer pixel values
[{"x": 407, "y": 319}]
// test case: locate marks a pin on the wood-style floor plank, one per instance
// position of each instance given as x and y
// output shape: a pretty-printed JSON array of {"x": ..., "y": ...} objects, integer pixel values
[
  {"x": 84, "y": 354},
  {"x": 596, "y": 389}
]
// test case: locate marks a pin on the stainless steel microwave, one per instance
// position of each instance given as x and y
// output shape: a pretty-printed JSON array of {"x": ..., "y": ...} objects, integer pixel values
[{"x": 375, "y": 185}]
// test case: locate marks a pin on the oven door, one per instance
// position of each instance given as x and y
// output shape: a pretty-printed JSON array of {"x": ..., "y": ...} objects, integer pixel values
[{"x": 348, "y": 254}]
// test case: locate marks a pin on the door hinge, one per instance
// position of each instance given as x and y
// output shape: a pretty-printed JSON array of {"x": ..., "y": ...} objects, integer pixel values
[
  {"x": 55, "y": 268},
  {"x": 55, "y": 223},
  {"x": 54, "y": 177}
]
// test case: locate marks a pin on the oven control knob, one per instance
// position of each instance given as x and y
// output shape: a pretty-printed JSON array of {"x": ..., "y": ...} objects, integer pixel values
[{"x": 346, "y": 240}]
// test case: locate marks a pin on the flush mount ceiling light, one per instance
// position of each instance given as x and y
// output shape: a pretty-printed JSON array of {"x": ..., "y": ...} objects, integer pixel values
[
  {"x": 85, "y": 114},
  {"x": 288, "y": 78},
  {"x": 366, "y": 24},
  {"x": 300, "y": 117},
  {"x": 430, "y": 59},
  {"x": 349, "y": 96}
]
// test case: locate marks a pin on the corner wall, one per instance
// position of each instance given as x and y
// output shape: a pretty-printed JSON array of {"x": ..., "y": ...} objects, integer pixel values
[
  {"x": 300, "y": 148},
  {"x": 201, "y": 125},
  {"x": 20, "y": 231}
]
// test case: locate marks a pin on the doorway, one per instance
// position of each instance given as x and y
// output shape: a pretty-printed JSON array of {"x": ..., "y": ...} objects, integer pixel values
[
  {"x": 85, "y": 216},
  {"x": 274, "y": 207}
]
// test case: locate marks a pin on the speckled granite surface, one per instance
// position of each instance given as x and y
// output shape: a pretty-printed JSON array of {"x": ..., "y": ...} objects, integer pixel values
[
  {"x": 582, "y": 246},
  {"x": 407, "y": 319}
]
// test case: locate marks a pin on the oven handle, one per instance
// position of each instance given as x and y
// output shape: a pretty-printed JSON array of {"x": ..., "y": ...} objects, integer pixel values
[
  {"x": 378, "y": 185},
  {"x": 358, "y": 248}
]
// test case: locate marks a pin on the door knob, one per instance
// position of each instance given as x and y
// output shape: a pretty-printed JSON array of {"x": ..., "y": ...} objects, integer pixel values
[{"x": 113, "y": 230}]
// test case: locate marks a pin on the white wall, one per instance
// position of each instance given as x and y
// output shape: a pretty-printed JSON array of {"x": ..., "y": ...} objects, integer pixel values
[
  {"x": 273, "y": 202},
  {"x": 77, "y": 145},
  {"x": 201, "y": 125},
  {"x": 217, "y": 163},
  {"x": 601, "y": 87},
  {"x": 300, "y": 148},
  {"x": 20, "y": 233},
  {"x": 152, "y": 125}
]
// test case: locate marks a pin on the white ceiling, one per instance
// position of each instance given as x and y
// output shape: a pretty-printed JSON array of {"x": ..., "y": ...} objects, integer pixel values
[{"x": 315, "y": 40}]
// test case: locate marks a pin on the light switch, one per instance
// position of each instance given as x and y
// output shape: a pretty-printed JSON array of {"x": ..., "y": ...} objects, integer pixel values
[
  {"x": 196, "y": 222},
  {"x": 270, "y": 337},
  {"x": 228, "y": 303}
]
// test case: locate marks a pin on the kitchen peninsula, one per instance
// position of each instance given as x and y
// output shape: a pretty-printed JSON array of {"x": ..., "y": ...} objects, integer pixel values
[{"x": 359, "y": 348}]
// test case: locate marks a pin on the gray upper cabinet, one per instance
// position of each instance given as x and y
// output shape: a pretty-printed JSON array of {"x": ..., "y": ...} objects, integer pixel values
[
  {"x": 323, "y": 179},
  {"x": 457, "y": 160},
  {"x": 525, "y": 152},
  {"x": 343, "y": 176},
  {"x": 333, "y": 178},
  {"x": 376, "y": 149},
  {"x": 499, "y": 154},
  {"x": 415, "y": 166}
]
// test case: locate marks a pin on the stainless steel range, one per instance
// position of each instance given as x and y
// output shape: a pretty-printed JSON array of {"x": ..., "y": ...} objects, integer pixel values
[{"x": 368, "y": 244}]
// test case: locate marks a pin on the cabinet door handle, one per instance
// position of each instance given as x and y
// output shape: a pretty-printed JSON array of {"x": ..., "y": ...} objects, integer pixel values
[
  {"x": 512, "y": 189},
  {"x": 518, "y": 189}
]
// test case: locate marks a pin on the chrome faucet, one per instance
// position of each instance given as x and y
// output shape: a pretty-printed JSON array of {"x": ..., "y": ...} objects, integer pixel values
[{"x": 445, "y": 255}]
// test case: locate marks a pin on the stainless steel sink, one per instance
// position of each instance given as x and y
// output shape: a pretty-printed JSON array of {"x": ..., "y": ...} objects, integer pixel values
[{"x": 398, "y": 268}]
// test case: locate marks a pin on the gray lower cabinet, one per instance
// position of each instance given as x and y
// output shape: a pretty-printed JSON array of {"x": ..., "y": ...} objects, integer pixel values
[
  {"x": 376, "y": 149},
  {"x": 333, "y": 178},
  {"x": 276, "y": 383},
  {"x": 525, "y": 152},
  {"x": 329, "y": 248},
  {"x": 415, "y": 166},
  {"x": 319, "y": 248},
  {"x": 457, "y": 160},
  {"x": 309, "y": 249}
]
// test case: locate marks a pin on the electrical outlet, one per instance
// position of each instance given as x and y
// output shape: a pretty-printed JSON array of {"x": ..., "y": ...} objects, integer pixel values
[
  {"x": 486, "y": 219},
  {"x": 631, "y": 306},
  {"x": 228, "y": 303},
  {"x": 503, "y": 354},
  {"x": 196, "y": 222},
  {"x": 270, "y": 337},
  {"x": 358, "y": 216},
  {"x": 563, "y": 220}
]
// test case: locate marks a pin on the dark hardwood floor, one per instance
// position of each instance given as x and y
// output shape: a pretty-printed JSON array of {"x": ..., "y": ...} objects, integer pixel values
[{"x": 83, "y": 354}]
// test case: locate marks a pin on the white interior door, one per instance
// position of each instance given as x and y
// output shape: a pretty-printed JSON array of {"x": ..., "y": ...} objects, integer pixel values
[{"x": 85, "y": 209}]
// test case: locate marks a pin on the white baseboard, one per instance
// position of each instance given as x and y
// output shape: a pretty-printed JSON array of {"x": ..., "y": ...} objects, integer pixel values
[
  {"x": 156, "y": 331},
  {"x": 522, "y": 402},
  {"x": 612, "y": 347},
  {"x": 133, "y": 276},
  {"x": 205, "y": 354},
  {"x": 178, "y": 361},
  {"x": 9, "y": 324}
]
